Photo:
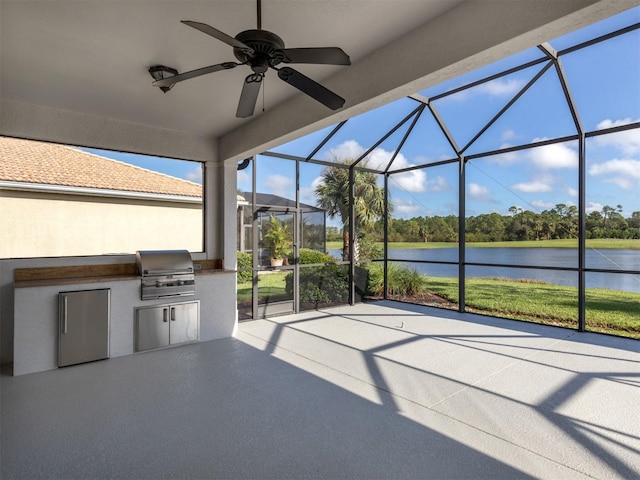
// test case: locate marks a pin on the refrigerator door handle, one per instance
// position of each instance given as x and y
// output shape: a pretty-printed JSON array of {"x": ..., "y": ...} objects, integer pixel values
[
  {"x": 164, "y": 315},
  {"x": 64, "y": 313}
]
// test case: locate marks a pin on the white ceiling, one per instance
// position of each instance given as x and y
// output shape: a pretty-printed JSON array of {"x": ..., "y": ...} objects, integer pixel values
[
  {"x": 90, "y": 59},
  {"x": 93, "y": 56}
]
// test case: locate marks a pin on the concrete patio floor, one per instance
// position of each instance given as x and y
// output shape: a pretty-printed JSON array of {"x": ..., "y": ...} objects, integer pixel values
[{"x": 381, "y": 390}]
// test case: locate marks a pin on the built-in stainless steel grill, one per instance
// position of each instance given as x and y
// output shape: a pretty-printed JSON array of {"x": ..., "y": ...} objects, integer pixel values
[{"x": 165, "y": 273}]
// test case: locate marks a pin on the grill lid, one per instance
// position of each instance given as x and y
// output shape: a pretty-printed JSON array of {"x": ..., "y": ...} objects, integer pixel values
[{"x": 163, "y": 262}]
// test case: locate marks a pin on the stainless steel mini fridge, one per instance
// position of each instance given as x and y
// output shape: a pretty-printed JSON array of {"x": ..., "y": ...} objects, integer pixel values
[{"x": 83, "y": 326}]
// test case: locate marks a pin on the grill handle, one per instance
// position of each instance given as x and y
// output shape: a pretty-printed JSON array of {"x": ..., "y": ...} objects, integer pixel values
[{"x": 168, "y": 271}]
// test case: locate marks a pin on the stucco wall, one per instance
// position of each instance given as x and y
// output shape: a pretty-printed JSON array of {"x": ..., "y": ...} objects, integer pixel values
[{"x": 50, "y": 225}]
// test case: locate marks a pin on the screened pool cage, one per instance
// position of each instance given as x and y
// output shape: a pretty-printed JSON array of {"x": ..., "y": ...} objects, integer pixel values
[{"x": 535, "y": 148}]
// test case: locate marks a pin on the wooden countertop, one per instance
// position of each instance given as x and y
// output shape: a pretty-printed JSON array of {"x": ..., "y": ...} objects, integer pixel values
[{"x": 70, "y": 275}]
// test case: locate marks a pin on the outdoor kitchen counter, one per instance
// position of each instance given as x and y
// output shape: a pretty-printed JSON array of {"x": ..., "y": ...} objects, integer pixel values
[
  {"x": 36, "y": 307},
  {"x": 73, "y": 275}
]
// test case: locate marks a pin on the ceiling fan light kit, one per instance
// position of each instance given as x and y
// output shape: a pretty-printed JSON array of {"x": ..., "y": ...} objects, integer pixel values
[
  {"x": 160, "y": 72},
  {"x": 261, "y": 50}
]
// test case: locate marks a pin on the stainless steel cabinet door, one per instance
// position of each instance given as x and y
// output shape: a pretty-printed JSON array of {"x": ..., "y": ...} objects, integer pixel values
[
  {"x": 152, "y": 327},
  {"x": 83, "y": 326},
  {"x": 184, "y": 322}
]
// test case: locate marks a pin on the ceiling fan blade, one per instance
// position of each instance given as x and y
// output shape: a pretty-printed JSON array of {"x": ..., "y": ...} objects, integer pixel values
[
  {"x": 311, "y": 88},
  {"x": 249, "y": 95},
  {"x": 223, "y": 37},
  {"x": 327, "y": 55},
  {"x": 194, "y": 73}
]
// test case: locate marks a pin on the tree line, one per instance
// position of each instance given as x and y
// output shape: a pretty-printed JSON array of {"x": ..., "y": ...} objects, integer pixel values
[
  {"x": 556, "y": 223},
  {"x": 559, "y": 222}
]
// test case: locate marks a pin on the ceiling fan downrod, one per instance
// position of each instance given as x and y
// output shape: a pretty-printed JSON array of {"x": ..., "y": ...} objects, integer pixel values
[{"x": 259, "y": 13}]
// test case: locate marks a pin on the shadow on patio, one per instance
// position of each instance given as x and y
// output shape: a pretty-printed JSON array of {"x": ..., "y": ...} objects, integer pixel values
[
  {"x": 372, "y": 391},
  {"x": 565, "y": 396}
]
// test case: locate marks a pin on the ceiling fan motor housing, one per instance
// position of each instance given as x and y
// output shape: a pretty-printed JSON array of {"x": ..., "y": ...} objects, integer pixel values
[{"x": 267, "y": 48}]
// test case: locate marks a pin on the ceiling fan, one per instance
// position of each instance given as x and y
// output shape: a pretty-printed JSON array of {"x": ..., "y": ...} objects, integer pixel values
[{"x": 261, "y": 50}]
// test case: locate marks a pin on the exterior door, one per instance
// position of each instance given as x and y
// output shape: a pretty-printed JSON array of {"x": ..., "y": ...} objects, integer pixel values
[{"x": 275, "y": 257}]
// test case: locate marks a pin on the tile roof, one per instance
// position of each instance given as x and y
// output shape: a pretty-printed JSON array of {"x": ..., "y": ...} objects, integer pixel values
[{"x": 51, "y": 164}]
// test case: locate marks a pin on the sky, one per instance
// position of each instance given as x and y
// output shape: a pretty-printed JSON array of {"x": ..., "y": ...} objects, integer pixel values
[
  {"x": 604, "y": 81},
  {"x": 184, "y": 169}
]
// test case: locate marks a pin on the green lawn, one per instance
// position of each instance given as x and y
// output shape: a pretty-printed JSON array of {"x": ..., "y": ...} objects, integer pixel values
[
  {"x": 609, "y": 311},
  {"x": 597, "y": 243},
  {"x": 271, "y": 285}
]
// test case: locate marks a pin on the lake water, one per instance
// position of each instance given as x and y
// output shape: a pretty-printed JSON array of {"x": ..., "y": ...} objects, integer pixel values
[{"x": 610, "y": 259}]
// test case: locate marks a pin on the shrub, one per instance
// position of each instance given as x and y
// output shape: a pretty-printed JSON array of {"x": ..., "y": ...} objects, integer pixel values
[
  {"x": 403, "y": 280},
  {"x": 245, "y": 260},
  {"x": 375, "y": 278},
  {"x": 326, "y": 284},
  {"x": 308, "y": 256}
]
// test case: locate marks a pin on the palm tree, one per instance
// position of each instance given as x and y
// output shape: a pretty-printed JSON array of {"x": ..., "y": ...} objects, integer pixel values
[{"x": 333, "y": 197}]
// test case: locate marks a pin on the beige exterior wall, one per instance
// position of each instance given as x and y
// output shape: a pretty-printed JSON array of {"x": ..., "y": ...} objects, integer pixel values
[{"x": 36, "y": 224}]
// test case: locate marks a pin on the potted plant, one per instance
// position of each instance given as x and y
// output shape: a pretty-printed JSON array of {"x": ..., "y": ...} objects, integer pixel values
[{"x": 277, "y": 241}]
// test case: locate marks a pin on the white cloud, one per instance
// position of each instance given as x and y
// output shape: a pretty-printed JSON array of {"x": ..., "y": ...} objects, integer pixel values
[
  {"x": 439, "y": 184},
  {"x": 505, "y": 158},
  {"x": 502, "y": 87},
  {"x": 535, "y": 186},
  {"x": 593, "y": 207},
  {"x": 557, "y": 155},
  {"x": 349, "y": 149},
  {"x": 316, "y": 181},
  {"x": 308, "y": 194},
  {"x": 404, "y": 207},
  {"x": 538, "y": 184},
  {"x": 608, "y": 123},
  {"x": 547, "y": 157},
  {"x": 572, "y": 192},
  {"x": 279, "y": 185},
  {"x": 379, "y": 159},
  {"x": 422, "y": 160},
  {"x": 499, "y": 87},
  {"x": 416, "y": 181},
  {"x": 623, "y": 172},
  {"x": 479, "y": 193},
  {"x": 628, "y": 141},
  {"x": 411, "y": 181}
]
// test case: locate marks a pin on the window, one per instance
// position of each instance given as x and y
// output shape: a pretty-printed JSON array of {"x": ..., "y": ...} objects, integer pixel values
[{"x": 64, "y": 201}]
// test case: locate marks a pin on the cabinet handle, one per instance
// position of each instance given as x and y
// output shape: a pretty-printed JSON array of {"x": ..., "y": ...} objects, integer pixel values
[
  {"x": 164, "y": 315},
  {"x": 173, "y": 314},
  {"x": 64, "y": 314}
]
